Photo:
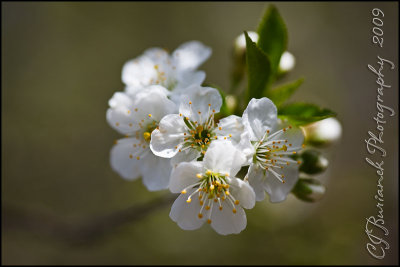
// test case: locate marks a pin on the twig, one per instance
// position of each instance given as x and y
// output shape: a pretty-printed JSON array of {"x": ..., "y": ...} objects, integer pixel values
[{"x": 78, "y": 233}]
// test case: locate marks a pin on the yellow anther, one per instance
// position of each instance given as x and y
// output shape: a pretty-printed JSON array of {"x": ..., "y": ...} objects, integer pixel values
[
  {"x": 220, "y": 207},
  {"x": 209, "y": 221},
  {"x": 199, "y": 175},
  {"x": 202, "y": 146},
  {"x": 183, "y": 191},
  {"x": 186, "y": 118},
  {"x": 137, "y": 158},
  {"x": 284, "y": 147},
  {"x": 136, "y": 109},
  {"x": 290, "y": 127},
  {"x": 290, "y": 144},
  {"x": 207, "y": 207},
  {"x": 236, "y": 202},
  {"x": 298, "y": 162},
  {"x": 227, "y": 192},
  {"x": 117, "y": 124},
  {"x": 212, "y": 187},
  {"x": 180, "y": 150},
  {"x": 199, "y": 112},
  {"x": 150, "y": 115},
  {"x": 213, "y": 110},
  {"x": 294, "y": 152},
  {"x": 180, "y": 114},
  {"x": 287, "y": 163},
  {"x": 128, "y": 111},
  {"x": 220, "y": 128},
  {"x": 303, "y": 145},
  {"x": 215, "y": 200},
  {"x": 216, "y": 137},
  {"x": 201, "y": 202},
  {"x": 115, "y": 142},
  {"x": 230, "y": 135},
  {"x": 147, "y": 136},
  {"x": 189, "y": 200},
  {"x": 156, "y": 67},
  {"x": 226, "y": 185},
  {"x": 130, "y": 156},
  {"x": 283, "y": 176},
  {"x": 190, "y": 102},
  {"x": 234, "y": 210},
  {"x": 226, "y": 174},
  {"x": 208, "y": 172},
  {"x": 224, "y": 138},
  {"x": 267, "y": 131},
  {"x": 200, "y": 215}
]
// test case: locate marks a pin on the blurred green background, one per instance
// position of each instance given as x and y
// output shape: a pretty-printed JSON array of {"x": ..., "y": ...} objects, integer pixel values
[{"x": 61, "y": 62}]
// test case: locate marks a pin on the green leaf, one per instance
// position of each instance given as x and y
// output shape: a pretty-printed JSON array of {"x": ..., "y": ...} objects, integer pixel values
[
  {"x": 258, "y": 69},
  {"x": 282, "y": 93},
  {"x": 273, "y": 36},
  {"x": 304, "y": 113}
]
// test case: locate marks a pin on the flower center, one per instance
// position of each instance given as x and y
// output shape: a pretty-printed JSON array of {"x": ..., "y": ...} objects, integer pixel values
[
  {"x": 213, "y": 188},
  {"x": 273, "y": 153}
]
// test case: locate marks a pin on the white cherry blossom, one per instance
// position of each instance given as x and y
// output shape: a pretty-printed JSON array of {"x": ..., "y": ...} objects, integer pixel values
[
  {"x": 209, "y": 191},
  {"x": 271, "y": 170},
  {"x": 136, "y": 117},
  {"x": 175, "y": 72},
  {"x": 187, "y": 135}
]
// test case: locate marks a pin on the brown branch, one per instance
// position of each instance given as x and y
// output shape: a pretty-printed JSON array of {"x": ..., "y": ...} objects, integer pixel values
[{"x": 79, "y": 232}]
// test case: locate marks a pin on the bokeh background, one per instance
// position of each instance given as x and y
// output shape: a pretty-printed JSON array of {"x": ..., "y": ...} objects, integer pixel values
[{"x": 61, "y": 62}]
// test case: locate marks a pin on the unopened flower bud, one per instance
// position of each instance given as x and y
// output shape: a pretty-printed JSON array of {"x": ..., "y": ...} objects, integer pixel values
[
  {"x": 313, "y": 162},
  {"x": 322, "y": 133},
  {"x": 286, "y": 62},
  {"x": 231, "y": 102},
  {"x": 309, "y": 189}
]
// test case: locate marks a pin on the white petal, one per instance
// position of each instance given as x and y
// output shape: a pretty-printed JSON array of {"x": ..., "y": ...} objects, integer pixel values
[
  {"x": 168, "y": 136},
  {"x": 152, "y": 104},
  {"x": 157, "y": 54},
  {"x": 202, "y": 99},
  {"x": 186, "y": 214},
  {"x": 246, "y": 147},
  {"x": 256, "y": 177},
  {"x": 184, "y": 175},
  {"x": 277, "y": 190},
  {"x": 223, "y": 157},
  {"x": 185, "y": 156},
  {"x": 190, "y": 55},
  {"x": 259, "y": 116},
  {"x": 139, "y": 71},
  {"x": 119, "y": 115},
  {"x": 226, "y": 222},
  {"x": 231, "y": 126},
  {"x": 156, "y": 172},
  {"x": 123, "y": 158},
  {"x": 188, "y": 78},
  {"x": 243, "y": 192}
]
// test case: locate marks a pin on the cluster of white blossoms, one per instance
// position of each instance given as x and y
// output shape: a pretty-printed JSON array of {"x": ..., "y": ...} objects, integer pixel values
[{"x": 172, "y": 140}]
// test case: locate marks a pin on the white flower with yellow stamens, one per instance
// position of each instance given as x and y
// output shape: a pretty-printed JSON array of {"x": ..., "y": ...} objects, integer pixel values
[
  {"x": 175, "y": 72},
  {"x": 211, "y": 192},
  {"x": 271, "y": 170},
  {"x": 187, "y": 135},
  {"x": 136, "y": 117}
]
